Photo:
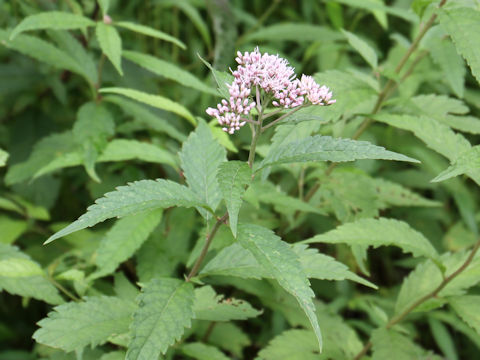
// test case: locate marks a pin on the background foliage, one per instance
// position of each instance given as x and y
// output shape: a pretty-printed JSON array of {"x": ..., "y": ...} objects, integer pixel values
[{"x": 95, "y": 95}]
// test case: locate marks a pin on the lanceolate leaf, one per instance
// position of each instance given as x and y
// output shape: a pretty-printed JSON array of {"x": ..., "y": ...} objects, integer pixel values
[
  {"x": 281, "y": 262},
  {"x": 379, "y": 232},
  {"x": 466, "y": 162},
  {"x": 463, "y": 26},
  {"x": 202, "y": 351},
  {"x": 168, "y": 70},
  {"x": 201, "y": 156},
  {"x": 157, "y": 101},
  {"x": 131, "y": 199},
  {"x": 111, "y": 44},
  {"x": 123, "y": 239},
  {"x": 73, "y": 326},
  {"x": 148, "y": 31},
  {"x": 19, "y": 275},
  {"x": 3, "y": 157},
  {"x": 326, "y": 148},
  {"x": 389, "y": 344},
  {"x": 468, "y": 308},
  {"x": 212, "y": 307},
  {"x": 165, "y": 310},
  {"x": 233, "y": 177},
  {"x": 52, "y": 20},
  {"x": 363, "y": 48}
]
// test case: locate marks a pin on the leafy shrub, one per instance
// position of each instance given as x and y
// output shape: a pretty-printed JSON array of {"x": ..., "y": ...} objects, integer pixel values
[{"x": 242, "y": 230}]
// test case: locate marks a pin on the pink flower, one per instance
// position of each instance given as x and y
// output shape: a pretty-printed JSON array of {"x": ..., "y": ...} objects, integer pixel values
[{"x": 275, "y": 77}]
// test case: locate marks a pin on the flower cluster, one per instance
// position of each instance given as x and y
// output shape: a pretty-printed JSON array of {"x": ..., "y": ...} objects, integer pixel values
[{"x": 275, "y": 77}]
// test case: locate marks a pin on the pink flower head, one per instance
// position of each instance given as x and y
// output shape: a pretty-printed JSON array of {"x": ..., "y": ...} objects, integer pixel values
[{"x": 275, "y": 77}]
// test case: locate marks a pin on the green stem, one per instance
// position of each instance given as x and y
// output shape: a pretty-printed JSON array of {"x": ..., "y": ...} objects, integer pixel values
[
  {"x": 62, "y": 289},
  {"x": 396, "y": 319}
]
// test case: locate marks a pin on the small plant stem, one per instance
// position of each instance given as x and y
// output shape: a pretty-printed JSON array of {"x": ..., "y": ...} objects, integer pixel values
[
  {"x": 260, "y": 21},
  {"x": 386, "y": 91},
  {"x": 396, "y": 319},
  {"x": 210, "y": 237},
  {"x": 63, "y": 290},
  {"x": 276, "y": 121}
]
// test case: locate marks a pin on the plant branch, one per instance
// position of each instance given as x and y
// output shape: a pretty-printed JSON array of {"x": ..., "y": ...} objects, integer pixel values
[
  {"x": 276, "y": 121},
  {"x": 210, "y": 237},
  {"x": 396, "y": 319},
  {"x": 62, "y": 289},
  {"x": 386, "y": 90}
]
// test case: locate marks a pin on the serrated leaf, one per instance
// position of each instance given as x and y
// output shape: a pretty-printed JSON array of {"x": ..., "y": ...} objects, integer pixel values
[
  {"x": 388, "y": 344},
  {"x": 132, "y": 199},
  {"x": 156, "y": 101},
  {"x": 41, "y": 50},
  {"x": 281, "y": 262},
  {"x": 326, "y": 148},
  {"x": 111, "y": 44},
  {"x": 123, "y": 239},
  {"x": 19, "y": 275},
  {"x": 463, "y": 26},
  {"x": 465, "y": 163},
  {"x": 212, "y": 307},
  {"x": 293, "y": 344},
  {"x": 200, "y": 157},
  {"x": 168, "y": 70},
  {"x": 443, "y": 52},
  {"x": 233, "y": 177},
  {"x": 73, "y": 326},
  {"x": 427, "y": 277},
  {"x": 379, "y": 232},
  {"x": 51, "y": 20},
  {"x": 165, "y": 310},
  {"x": 202, "y": 351},
  {"x": 148, "y": 31},
  {"x": 324, "y": 267},
  {"x": 362, "y": 48},
  {"x": 468, "y": 308}
]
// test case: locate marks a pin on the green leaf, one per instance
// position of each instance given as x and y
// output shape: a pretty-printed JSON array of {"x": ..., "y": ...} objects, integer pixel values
[
  {"x": 388, "y": 344},
  {"x": 196, "y": 18},
  {"x": 123, "y": 239},
  {"x": 42, "y": 51},
  {"x": 379, "y": 232},
  {"x": 132, "y": 199},
  {"x": 465, "y": 163},
  {"x": 392, "y": 194},
  {"x": 148, "y": 31},
  {"x": 427, "y": 277},
  {"x": 51, "y": 20},
  {"x": 293, "y": 344},
  {"x": 229, "y": 337},
  {"x": 73, "y": 326},
  {"x": 233, "y": 177},
  {"x": 168, "y": 70},
  {"x": 156, "y": 101},
  {"x": 200, "y": 157},
  {"x": 19, "y": 275},
  {"x": 281, "y": 262},
  {"x": 443, "y": 338},
  {"x": 212, "y": 307},
  {"x": 221, "y": 78},
  {"x": 202, "y": 351},
  {"x": 111, "y": 44},
  {"x": 145, "y": 117},
  {"x": 11, "y": 229},
  {"x": 326, "y": 148},
  {"x": 463, "y": 26},
  {"x": 323, "y": 267},
  {"x": 443, "y": 53},
  {"x": 435, "y": 135},
  {"x": 3, "y": 157},
  {"x": 468, "y": 308},
  {"x": 373, "y": 6},
  {"x": 294, "y": 32},
  {"x": 165, "y": 310},
  {"x": 362, "y": 48}
]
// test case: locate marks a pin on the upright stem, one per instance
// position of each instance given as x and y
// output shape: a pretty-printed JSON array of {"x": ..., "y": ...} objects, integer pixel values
[
  {"x": 396, "y": 319},
  {"x": 386, "y": 90}
]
